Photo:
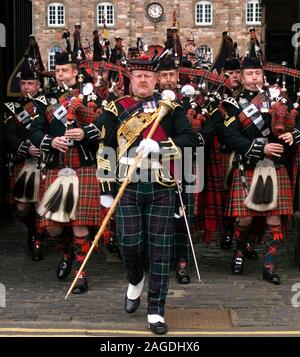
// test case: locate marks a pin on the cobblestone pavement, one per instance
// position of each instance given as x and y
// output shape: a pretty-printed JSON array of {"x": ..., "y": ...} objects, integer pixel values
[{"x": 35, "y": 298}]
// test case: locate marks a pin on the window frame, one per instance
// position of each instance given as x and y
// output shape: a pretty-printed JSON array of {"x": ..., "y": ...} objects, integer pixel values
[
  {"x": 203, "y": 3},
  {"x": 105, "y": 4},
  {"x": 56, "y": 5},
  {"x": 255, "y": 4}
]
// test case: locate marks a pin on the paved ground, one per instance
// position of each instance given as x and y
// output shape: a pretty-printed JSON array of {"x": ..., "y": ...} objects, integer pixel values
[{"x": 35, "y": 298}]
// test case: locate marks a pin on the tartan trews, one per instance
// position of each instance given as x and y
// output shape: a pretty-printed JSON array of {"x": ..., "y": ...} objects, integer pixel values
[{"x": 145, "y": 226}]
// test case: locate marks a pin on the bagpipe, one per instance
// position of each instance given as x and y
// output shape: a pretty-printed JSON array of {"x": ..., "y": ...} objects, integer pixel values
[
  {"x": 280, "y": 69},
  {"x": 203, "y": 74},
  {"x": 197, "y": 97},
  {"x": 100, "y": 66},
  {"x": 283, "y": 118},
  {"x": 70, "y": 107},
  {"x": 283, "y": 112},
  {"x": 190, "y": 102}
]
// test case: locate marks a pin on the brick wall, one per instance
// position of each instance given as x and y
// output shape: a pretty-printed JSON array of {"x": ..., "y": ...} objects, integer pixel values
[{"x": 131, "y": 22}]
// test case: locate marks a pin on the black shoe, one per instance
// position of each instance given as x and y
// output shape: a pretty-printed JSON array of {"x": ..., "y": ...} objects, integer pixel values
[
  {"x": 64, "y": 268},
  {"x": 182, "y": 274},
  {"x": 37, "y": 251},
  {"x": 131, "y": 305},
  {"x": 81, "y": 285},
  {"x": 226, "y": 240},
  {"x": 237, "y": 264},
  {"x": 159, "y": 328},
  {"x": 270, "y": 276}
]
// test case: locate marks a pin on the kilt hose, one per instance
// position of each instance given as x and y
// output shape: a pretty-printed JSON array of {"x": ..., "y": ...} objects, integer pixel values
[
  {"x": 145, "y": 230},
  {"x": 88, "y": 212},
  {"x": 182, "y": 246},
  {"x": 236, "y": 207}
]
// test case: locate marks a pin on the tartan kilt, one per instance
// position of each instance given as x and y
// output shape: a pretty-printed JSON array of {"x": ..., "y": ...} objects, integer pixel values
[
  {"x": 88, "y": 212},
  {"x": 236, "y": 207},
  {"x": 209, "y": 204}
]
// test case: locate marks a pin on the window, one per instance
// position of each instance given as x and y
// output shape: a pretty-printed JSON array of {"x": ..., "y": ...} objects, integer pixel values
[
  {"x": 51, "y": 57},
  {"x": 203, "y": 13},
  {"x": 105, "y": 12},
  {"x": 204, "y": 53},
  {"x": 253, "y": 12},
  {"x": 56, "y": 14}
]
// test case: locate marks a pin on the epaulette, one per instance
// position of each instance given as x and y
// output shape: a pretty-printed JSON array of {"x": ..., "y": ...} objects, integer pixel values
[
  {"x": 11, "y": 107},
  {"x": 42, "y": 99},
  {"x": 111, "y": 107},
  {"x": 232, "y": 101}
]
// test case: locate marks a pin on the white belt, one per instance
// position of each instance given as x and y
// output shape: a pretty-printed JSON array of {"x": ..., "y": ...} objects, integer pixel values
[{"x": 143, "y": 163}]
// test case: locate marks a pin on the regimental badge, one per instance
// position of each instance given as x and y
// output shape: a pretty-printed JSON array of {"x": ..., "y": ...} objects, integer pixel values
[
  {"x": 243, "y": 101},
  {"x": 52, "y": 101}
]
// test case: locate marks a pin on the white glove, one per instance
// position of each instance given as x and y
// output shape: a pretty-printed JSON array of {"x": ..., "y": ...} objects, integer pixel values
[
  {"x": 106, "y": 200},
  {"x": 147, "y": 146}
]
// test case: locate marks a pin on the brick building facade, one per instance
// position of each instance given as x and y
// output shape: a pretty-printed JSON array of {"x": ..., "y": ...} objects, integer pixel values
[{"x": 206, "y": 20}]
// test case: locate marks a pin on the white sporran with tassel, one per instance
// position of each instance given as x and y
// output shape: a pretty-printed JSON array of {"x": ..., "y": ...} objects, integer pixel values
[
  {"x": 263, "y": 194},
  {"x": 59, "y": 202},
  {"x": 26, "y": 188}
]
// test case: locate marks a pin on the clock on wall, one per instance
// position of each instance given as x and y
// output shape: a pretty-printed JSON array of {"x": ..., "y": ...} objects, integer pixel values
[{"x": 155, "y": 11}]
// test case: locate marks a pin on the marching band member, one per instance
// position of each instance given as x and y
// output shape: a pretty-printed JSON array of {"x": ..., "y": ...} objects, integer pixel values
[
  {"x": 260, "y": 185},
  {"x": 145, "y": 213},
  {"x": 26, "y": 158},
  {"x": 72, "y": 193}
]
